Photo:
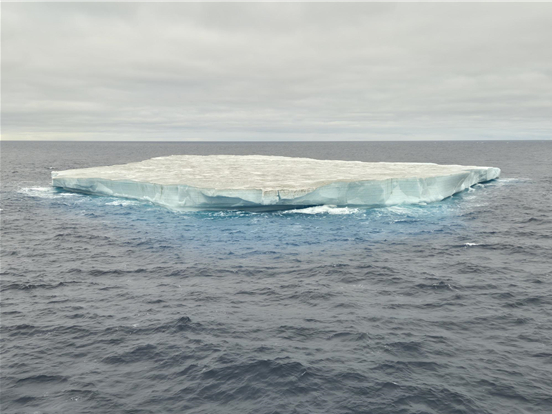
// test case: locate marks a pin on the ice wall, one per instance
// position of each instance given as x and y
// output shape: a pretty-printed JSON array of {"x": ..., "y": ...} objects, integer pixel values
[{"x": 267, "y": 182}]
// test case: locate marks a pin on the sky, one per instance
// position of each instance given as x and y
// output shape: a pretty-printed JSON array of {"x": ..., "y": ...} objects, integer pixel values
[{"x": 276, "y": 71}]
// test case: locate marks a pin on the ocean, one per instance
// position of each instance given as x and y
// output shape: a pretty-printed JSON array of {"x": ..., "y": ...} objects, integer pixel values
[{"x": 120, "y": 306}]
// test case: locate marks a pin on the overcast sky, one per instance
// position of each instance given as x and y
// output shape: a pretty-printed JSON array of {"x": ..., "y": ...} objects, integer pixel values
[{"x": 276, "y": 71}]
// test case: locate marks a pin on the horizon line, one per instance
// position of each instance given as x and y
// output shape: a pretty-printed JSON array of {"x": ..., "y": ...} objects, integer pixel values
[{"x": 273, "y": 141}]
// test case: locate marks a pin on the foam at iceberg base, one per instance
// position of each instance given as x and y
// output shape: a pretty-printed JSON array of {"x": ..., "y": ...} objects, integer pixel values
[{"x": 255, "y": 182}]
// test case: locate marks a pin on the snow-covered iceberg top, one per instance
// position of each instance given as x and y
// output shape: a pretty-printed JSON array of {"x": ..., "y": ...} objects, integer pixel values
[{"x": 270, "y": 182}]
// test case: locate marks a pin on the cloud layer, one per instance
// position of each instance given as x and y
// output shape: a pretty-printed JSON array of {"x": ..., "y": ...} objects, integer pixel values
[{"x": 276, "y": 71}]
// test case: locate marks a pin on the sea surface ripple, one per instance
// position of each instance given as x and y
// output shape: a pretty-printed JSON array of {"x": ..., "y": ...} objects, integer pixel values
[{"x": 119, "y": 306}]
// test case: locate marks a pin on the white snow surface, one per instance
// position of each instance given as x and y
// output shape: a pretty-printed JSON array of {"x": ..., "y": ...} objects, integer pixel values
[{"x": 191, "y": 182}]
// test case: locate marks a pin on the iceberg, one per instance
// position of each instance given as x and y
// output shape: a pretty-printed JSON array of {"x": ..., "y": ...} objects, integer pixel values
[{"x": 263, "y": 183}]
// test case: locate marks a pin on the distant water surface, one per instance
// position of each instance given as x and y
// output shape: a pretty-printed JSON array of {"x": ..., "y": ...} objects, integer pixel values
[{"x": 118, "y": 306}]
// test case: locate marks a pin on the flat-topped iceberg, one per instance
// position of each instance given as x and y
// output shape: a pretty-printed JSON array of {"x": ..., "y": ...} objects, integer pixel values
[{"x": 256, "y": 182}]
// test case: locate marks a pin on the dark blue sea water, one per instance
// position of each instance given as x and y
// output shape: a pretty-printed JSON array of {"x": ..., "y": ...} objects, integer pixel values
[{"x": 118, "y": 306}]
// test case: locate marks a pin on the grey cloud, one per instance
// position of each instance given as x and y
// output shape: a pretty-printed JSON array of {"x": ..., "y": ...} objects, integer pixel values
[{"x": 276, "y": 71}]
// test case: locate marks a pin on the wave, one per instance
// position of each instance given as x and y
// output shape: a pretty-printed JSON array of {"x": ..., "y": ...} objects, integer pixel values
[
  {"x": 323, "y": 210},
  {"x": 123, "y": 203},
  {"x": 46, "y": 192}
]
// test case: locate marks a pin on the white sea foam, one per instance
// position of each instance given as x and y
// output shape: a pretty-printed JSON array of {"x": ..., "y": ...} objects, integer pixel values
[
  {"x": 45, "y": 192},
  {"x": 122, "y": 203},
  {"x": 324, "y": 210}
]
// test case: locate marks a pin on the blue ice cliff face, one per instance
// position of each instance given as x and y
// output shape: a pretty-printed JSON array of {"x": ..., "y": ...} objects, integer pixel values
[{"x": 272, "y": 183}]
